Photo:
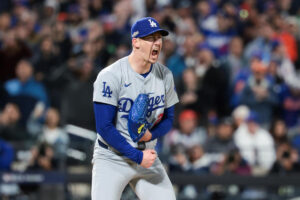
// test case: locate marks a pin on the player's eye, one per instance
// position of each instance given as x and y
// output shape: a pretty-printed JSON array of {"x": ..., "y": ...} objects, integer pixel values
[
  {"x": 149, "y": 38},
  {"x": 152, "y": 38}
]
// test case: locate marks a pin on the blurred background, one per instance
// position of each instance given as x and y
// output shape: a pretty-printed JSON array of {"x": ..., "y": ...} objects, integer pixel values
[{"x": 236, "y": 66}]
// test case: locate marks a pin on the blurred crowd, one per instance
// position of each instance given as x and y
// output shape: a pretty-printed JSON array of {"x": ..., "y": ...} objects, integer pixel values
[{"x": 236, "y": 66}]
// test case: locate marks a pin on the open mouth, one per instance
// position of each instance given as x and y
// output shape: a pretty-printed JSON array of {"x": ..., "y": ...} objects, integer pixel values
[{"x": 154, "y": 52}]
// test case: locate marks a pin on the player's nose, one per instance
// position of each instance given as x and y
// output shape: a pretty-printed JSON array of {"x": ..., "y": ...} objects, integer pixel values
[{"x": 157, "y": 40}]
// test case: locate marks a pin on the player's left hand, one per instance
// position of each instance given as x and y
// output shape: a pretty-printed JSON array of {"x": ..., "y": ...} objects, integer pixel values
[{"x": 146, "y": 137}]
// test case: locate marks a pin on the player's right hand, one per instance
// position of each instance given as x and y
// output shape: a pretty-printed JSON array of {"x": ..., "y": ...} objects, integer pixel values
[{"x": 149, "y": 156}]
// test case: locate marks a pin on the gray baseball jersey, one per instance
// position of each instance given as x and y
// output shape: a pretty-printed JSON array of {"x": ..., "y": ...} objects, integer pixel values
[{"x": 119, "y": 85}]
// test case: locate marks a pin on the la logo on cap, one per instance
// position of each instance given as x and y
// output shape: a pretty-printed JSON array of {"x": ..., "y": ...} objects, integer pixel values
[{"x": 152, "y": 23}]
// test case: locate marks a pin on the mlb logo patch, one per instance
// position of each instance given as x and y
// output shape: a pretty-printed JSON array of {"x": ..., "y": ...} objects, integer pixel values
[{"x": 135, "y": 34}]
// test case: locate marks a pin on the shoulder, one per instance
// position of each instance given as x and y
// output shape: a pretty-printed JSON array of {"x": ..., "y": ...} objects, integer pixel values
[
  {"x": 12, "y": 81},
  {"x": 35, "y": 83},
  {"x": 113, "y": 71},
  {"x": 264, "y": 135},
  {"x": 162, "y": 71},
  {"x": 241, "y": 131}
]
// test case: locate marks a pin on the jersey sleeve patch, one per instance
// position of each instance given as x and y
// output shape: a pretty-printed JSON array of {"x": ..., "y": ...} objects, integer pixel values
[
  {"x": 106, "y": 88},
  {"x": 106, "y": 92}
]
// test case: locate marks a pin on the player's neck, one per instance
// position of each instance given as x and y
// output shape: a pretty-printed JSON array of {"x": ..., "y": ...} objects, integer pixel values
[{"x": 138, "y": 64}]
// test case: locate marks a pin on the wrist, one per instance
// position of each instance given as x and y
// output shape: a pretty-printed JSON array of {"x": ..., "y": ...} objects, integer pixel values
[
  {"x": 149, "y": 136},
  {"x": 140, "y": 157},
  {"x": 146, "y": 137}
]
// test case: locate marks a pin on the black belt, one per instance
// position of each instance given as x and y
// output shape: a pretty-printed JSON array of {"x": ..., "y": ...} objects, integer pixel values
[{"x": 141, "y": 145}]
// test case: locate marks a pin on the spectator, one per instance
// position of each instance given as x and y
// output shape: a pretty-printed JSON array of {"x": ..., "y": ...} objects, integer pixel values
[
  {"x": 233, "y": 163},
  {"x": 222, "y": 142},
  {"x": 80, "y": 88},
  {"x": 258, "y": 93},
  {"x": 279, "y": 132},
  {"x": 95, "y": 50},
  {"x": 255, "y": 144},
  {"x": 48, "y": 60},
  {"x": 188, "y": 134},
  {"x": 4, "y": 22},
  {"x": 233, "y": 62},
  {"x": 51, "y": 133},
  {"x": 173, "y": 59},
  {"x": 42, "y": 158},
  {"x": 54, "y": 135},
  {"x": 286, "y": 69},
  {"x": 262, "y": 43},
  {"x": 188, "y": 88},
  {"x": 200, "y": 162},
  {"x": 11, "y": 53},
  {"x": 213, "y": 93},
  {"x": 290, "y": 101},
  {"x": 224, "y": 33},
  {"x": 48, "y": 63},
  {"x": 178, "y": 160},
  {"x": 287, "y": 160},
  {"x": 205, "y": 16},
  {"x": 25, "y": 84},
  {"x": 62, "y": 40},
  {"x": 240, "y": 114},
  {"x": 238, "y": 86},
  {"x": 285, "y": 36},
  {"x": 189, "y": 50},
  {"x": 10, "y": 127}
]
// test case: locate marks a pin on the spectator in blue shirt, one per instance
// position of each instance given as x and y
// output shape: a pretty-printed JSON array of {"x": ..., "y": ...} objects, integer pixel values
[
  {"x": 25, "y": 84},
  {"x": 258, "y": 93}
]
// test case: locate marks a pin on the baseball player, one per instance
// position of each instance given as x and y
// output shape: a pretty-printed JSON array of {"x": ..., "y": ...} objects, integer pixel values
[{"x": 134, "y": 105}]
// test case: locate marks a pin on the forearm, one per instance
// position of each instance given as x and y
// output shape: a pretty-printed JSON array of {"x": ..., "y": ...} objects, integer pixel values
[
  {"x": 165, "y": 125},
  {"x": 113, "y": 138},
  {"x": 104, "y": 115}
]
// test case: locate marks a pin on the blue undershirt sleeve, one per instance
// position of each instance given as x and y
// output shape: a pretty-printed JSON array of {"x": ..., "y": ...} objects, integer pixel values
[
  {"x": 165, "y": 125},
  {"x": 105, "y": 116}
]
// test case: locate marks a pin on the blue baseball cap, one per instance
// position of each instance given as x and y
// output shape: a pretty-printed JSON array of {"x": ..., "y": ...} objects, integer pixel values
[
  {"x": 253, "y": 117},
  {"x": 146, "y": 26}
]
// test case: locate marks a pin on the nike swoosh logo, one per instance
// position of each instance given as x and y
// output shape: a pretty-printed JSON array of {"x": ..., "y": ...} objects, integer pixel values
[{"x": 127, "y": 85}]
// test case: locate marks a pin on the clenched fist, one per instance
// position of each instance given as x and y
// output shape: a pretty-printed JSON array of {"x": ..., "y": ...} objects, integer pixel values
[{"x": 149, "y": 156}]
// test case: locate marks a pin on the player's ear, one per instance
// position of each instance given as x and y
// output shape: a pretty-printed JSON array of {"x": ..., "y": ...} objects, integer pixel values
[{"x": 136, "y": 43}]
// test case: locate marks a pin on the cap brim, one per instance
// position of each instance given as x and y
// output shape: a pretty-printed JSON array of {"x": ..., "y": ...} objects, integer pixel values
[{"x": 162, "y": 31}]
